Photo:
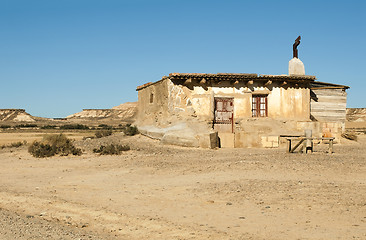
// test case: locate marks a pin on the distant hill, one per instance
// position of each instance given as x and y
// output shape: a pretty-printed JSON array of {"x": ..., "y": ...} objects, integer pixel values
[
  {"x": 15, "y": 115},
  {"x": 356, "y": 114},
  {"x": 125, "y": 112}
]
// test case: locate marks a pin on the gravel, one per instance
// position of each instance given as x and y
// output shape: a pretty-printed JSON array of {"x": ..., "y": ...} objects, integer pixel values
[{"x": 18, "y": 226}]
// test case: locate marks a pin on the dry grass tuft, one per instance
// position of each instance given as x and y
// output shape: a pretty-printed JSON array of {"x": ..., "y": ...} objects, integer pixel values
[{"x": 52, "y": 145}]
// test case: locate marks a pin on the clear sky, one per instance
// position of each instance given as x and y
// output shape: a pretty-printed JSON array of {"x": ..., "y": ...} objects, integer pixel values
[{"x": 60, "y": 56}]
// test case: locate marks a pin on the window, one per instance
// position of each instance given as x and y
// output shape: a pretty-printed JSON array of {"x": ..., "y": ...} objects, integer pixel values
[
  {"x": 259, "y": 106},
  {"x": 151, "y": 97}
]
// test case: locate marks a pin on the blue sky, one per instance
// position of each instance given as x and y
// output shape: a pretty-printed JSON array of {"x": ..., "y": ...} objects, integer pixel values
[{"x": 60, "y": 56}]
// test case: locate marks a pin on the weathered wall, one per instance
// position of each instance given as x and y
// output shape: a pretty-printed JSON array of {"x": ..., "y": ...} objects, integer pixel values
[
  {"x": 283, "y": 103},
  {"x": 289, "y": 103},
  {"x": 175, "y": 103},
  {"x": 180, "y": 101},
  {"x": 198, "y": 101},
  {"x": 328, "y": 105},
  {"x": 155, "y": 111}
]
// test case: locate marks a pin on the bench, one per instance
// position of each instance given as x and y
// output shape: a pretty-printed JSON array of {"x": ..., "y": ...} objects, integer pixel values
[{"x": 307, "y": 143}]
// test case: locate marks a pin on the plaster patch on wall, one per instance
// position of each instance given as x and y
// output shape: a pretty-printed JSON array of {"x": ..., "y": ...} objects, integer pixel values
[
  {"x": 177, "y": 100},
  {"x": 177, "y": 109},
  {"x": 198, "y": 90}
]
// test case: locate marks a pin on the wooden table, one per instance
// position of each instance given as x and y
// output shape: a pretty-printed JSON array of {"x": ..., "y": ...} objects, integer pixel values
[{"x": 302, "y": 139}]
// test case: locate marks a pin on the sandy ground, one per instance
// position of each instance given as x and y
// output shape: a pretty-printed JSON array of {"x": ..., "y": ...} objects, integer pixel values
[{"x": 166, "y": 192}]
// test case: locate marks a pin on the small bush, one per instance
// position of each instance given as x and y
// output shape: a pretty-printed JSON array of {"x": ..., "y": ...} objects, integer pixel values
[
  {"x": 17, "y": 144},
  {"x": 41, "y": 150},
  {"x": 26, "y": 126},
  {"x": 105, "y": 126},
  {"x": 5, "y": 126},
  {"x": 111, "y": 149},
  {"x": 49, "y": 127},
  {"x": 103, "y": 133},
  {"x": 14, "y": 145},
  {"x": 130, "y": 130},
  {"x": 52, "y": 145},
  {"x": 74, "y": 126}
]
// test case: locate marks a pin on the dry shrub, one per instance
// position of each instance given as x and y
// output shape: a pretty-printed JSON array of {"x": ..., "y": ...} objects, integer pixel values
[
  {"x": 103, "y": 133},
  {"x": 74, "y": 126},
  {"x": 14, "y": 145},
  {"x": 130, "y": 130},
  {"x": 26, "y": 126},
  {"x": 17, "y": 144},
  {"x": 41, "y": 150},
  {"x": 52, "y": 145},
  {"x": 350, "y": 136},
  {"x": 105, "y": 126},
  {"x": 111, "y": 149},
  {"x": 49, "y": 127}
]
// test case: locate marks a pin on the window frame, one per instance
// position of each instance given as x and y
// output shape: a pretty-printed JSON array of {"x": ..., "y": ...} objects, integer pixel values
[{"x": 259, "y": 105}]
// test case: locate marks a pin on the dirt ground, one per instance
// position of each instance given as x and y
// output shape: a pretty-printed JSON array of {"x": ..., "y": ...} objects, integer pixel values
[
  {"x": 8, "y": 137},
  {"x": 167, "y": 192}
]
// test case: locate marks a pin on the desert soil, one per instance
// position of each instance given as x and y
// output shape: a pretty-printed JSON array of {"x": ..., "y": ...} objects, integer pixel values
[
  {"x": 166, "y": 192},
  {"x": 9, "y": 137}
]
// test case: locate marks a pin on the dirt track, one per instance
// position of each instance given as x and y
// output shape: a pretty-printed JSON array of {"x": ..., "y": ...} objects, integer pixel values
[{"x": 166, "y": 192}]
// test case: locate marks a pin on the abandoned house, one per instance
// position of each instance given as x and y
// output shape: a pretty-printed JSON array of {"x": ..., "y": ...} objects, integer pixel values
[{"x": 239, "y": 109}]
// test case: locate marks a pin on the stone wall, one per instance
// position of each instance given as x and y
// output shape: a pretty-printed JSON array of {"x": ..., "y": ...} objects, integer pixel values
[
  {"x": 153, "y": 104},
  {"x": 165, "y": 104},
  {"x": 283, "y": 103},
  {"x": 182, "y": 134}
]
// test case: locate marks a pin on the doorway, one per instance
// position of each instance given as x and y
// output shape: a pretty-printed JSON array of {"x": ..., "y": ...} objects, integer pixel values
[{"x": 224, "y": 114}]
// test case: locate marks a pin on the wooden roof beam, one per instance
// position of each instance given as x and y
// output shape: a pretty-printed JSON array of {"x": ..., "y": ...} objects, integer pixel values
[
  {"x": 268, "y": 83},
  {"x": 250, "y": 82},
  {"x": 188, "y": 81}
]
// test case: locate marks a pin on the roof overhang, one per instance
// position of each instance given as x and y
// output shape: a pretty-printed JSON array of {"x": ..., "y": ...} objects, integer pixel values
[
  {"x": 325, "y": 85},
  {"x": 232, "y": 77},
  {"x": 240, "y": 76}
]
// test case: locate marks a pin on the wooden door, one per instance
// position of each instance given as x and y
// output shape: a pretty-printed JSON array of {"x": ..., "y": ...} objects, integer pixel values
[{"x": 224, "y": 113}]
